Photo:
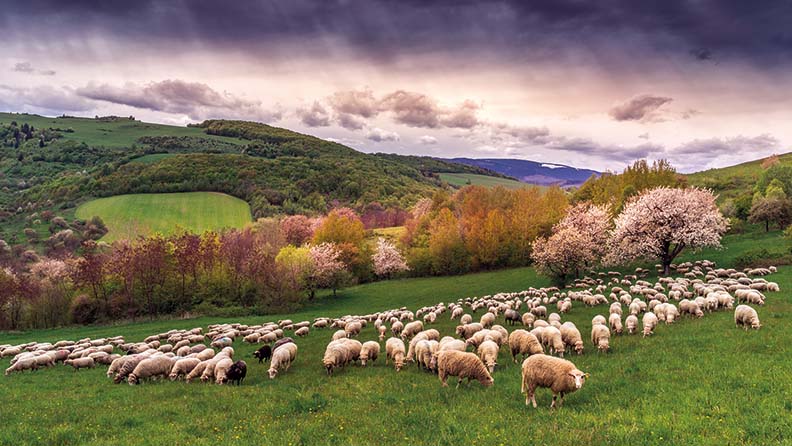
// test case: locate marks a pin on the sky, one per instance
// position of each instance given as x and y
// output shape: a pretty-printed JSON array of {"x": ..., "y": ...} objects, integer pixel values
[{"x": 593, "y": 84}]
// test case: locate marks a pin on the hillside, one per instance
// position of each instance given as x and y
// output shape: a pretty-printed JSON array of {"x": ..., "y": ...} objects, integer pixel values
[
  {"x": 733, "y": 181},
  {"x": 130, "y": 216},
  {"x": 464, "y": 179},
  {"x": 532, "y": 172},
  {"x": 56, "y": 164}
]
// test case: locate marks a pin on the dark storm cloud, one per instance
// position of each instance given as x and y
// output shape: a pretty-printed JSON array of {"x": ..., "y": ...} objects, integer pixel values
[
  {"x": 194, "y": 99},
  {"x": 639, "y": 108},
  {"x": 384, "y": 30}
]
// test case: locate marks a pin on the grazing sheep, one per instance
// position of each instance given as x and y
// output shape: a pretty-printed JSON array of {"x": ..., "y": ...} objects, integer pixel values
[
  {"x": 282, "y": 358},
  {"x": 487, "y": 319},
  {"x": 457, "y": 312},
  {"x": 197, "y": 372},
  {"x": 746, "y": 316},
  {"x": 465, "y": 319},
  {"x": 615, "y": 323},
  {"x": 205, "y": 354},
  {"x": 616, "y": 308},
  {"x": 24, "y": 364},
  {"x": 303, "y": 331},
  {"x": 600, "y": 337},
  {"x": 151, "y": 368},
  {"x": 222, "y": 342},
  {"x": 221, "y": 370},
  {"x": 411, "y": 329},
  {"x": 128, "y": 366},
  {"x": 559, "y": 375},
  {"x": 599, "y": 320},
  {"x": 396, "y": 328},
  {"x": 381, "y": 330},
  {"x": 423, "y": 354},
  {"x": 468, "y": 330},
  {"x": 512, "y": 317},
  {"x": 488, "y": 352},
  {"x": 524, "y": 343},
  {"x": 183, "y": 367},
  {"x": 280, "y": 342},
  {"x": 81, "y": 363},
  {"x": 552, "y": 339},
  {"x": 394, "y": 350},
  {"x": 572, "y": 337},
  {"x": 263, "y": 354},
  {"x": 352, "y": 329},
  {"x": 632, "y": 324},
  {"x": 649, "y": 323},
  {"x": 339, "y": 334},
  {"x": 338, "y": 353},
  {"x": 462, "y": 365},
  {"x": 369, "y": 352},
  {"x": 237, "y": 372}
]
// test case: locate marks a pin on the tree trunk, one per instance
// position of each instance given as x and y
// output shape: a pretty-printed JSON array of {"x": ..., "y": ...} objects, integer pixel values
[{"x": 767, "y": 225}]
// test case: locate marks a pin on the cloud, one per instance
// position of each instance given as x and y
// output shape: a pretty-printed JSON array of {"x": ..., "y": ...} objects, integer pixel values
[
  {"x": 412, "y": 109},
  {"x": 315, "y": 116},
  {"x": 644, "y": 136},
  {"x": 639, "y": 108},
  {"x": 463, "y": 117},
  {"x": 350, "y": 122},
  {"x": 713, "y": 147},
  {"x": 379, "y": 135},
  {"x": 51, "y": 99},
  {"x": 24, "y": 67},
  {"x": 194, "y": 99},
  {"x": 427, "y": 140},
  {"x": 516, "y": 134},
  {"x": 27, "y": 67},
  {"x": 606, "y": 151},
  {"x": 355, "y": 102}
]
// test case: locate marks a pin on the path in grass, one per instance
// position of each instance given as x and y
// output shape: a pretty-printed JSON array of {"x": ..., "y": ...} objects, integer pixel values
[{"x": 128, "y": 216}]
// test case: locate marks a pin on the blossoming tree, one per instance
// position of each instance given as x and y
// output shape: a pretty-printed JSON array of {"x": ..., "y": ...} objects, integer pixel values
[{"x": 387, "y": 259}]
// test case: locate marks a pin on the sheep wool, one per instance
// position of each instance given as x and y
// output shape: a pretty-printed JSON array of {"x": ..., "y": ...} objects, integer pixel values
[
  {"x": 559, "y": 375},
  {"x": 282, "y": 359},
  {"x": 745, "y": 316},
  {"x": 462, "y": 365},
  {"x": 369, "y": 352},
  {"x": 600, "y": 337},
  {"x": 395, "y": 351},
  {"x": 488, "y": 352}
]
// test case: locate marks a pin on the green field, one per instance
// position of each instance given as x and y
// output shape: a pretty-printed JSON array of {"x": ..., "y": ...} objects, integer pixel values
[
  {"x": 152, "y": 158},
  {"x": 695, "y": 382},
  {"x": 465, "y": 179},
  {"x": 128, "y": 216},
  {"x": 119, "y": 133}
]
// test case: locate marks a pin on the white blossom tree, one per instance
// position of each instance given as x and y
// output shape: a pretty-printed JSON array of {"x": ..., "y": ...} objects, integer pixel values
[
  {"x": 660, "y": 223},
  {"x": 387, "y": 259},
  {"x": 578, "y": 242}
]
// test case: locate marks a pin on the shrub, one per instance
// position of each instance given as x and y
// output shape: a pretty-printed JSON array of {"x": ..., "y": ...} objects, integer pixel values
[{"x": 85, "y": 310}]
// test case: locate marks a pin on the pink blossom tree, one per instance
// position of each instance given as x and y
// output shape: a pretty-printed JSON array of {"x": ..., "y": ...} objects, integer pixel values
[
  {"x": 578, "y": 242},
  {"x": 327, "y": 268},
  {"x": 662, "y": 222},
  {"x": 297, "y": 229},
  {"x": 387, "y": 259}
]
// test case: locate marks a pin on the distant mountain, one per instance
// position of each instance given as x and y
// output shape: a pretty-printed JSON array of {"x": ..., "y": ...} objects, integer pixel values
[{"x": 543, "y": 174}]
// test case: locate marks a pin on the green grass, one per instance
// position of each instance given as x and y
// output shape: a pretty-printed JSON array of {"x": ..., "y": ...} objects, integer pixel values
[
  {"x": 694, "y": 382},
  {"x": 464, "y": 179},
  {"x": 128, "y": 216},
  {"x": 152, "y": 158},
  {"x": 121, "y": 133}
]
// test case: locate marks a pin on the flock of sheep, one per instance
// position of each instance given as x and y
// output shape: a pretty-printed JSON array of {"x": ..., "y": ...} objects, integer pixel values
[{"x": 541, "y": 343}]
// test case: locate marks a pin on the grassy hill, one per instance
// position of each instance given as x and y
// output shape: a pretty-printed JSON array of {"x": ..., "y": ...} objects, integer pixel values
[
  {"x": 732, "y": 181},
  {"x": 128, "y": 216},
  {"x": 464, "y": 179},
  {"x": 699, "y": 381}
]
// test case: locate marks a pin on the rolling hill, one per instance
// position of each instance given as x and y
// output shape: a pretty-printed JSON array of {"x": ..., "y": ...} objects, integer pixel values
[
  {"x": 732, "y": 181},
  {"x": 129, "y": 216},
  {"x": 464, "y": 179},
  {"x": 532, "y": 172}
]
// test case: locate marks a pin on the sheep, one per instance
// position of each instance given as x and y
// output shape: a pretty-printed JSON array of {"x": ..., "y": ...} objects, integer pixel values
[
  {"x": 559, "y": 375},
  {"x": 487, "y": 319},
  {"x": 599, "y": 320},
  {"x": 222, "y": 342},
  {"x": 746, "y": 316},
  {"x": 183, "y": 367},
  {"x": 302, "y": 331},
  {"x": 615, "y": 308},
  {"x": 396, "y": 328},
  {"x": 337, "y": 354},
  {"x": 282, "y": 358},
  {"x": 394, "y": 350},
  {"x": 129, "y": 366},
  {"x": 632, "y": 324},
  {"x": 151, "y": 368},
  {"x": 339, "y": 334},
  {"x": 411, "y": 329},
  {"x": 465, "y": 319},
  {"x": 221, "y": 370},
  {"x": 381, "y": 330},
  {"x": 423, "y": 354},
  {"x": 522, "y": 342},
  {"x": 369, "y": 352},
  {"x": 551, "y": 337},
  {"x": 528, "y": 319},
  {"x": 457, "y": 312},
  {"x": 600, "y": 337},
  {"x": 571, "y": 336},
  {"x": 462, "y": 365},
  {"x": 22, "y": 365},
  {"x": 263, "y": 354},
  {"x": 81, "y": 363},
  {"x": 488, "y": 352},
  {"x": 237, "y": 372},
  {"x": 197, "y": 372},
  {"x": 512, "y": 317},
  {"x": 649, "y": 323},
  {"x": 615, "y": 323},
  {"x": 352, "y": 329},
  {"x": 468, "y": 330}
]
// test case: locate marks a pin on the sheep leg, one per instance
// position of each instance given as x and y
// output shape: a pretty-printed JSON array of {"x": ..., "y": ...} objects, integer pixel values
[
  {"x": 552, "y": 405},
  {"x": 532, "y": 394},
  {"x": 459, "y": 381},
  {"x": 443, "y": 378}
]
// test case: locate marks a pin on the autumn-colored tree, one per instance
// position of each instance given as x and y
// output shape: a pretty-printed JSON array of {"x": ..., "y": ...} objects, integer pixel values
[
  {"x": 660, "y": 223},
  {"x": 296, "y": 263},
  {"x": 387, "y": 259},
  {"x": 446, "y": 245},
  {"x": 89, "y": 271},
  {"x": 346, "y": 232},
  {"x": 578, "y": 242},
  {"x": 297, "y": 229}
]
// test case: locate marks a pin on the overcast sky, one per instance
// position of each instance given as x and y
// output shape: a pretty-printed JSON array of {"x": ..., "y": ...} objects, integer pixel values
[{"x": 588, "y": 83}]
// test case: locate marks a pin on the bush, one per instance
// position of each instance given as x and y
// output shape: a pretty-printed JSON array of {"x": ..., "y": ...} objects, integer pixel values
[
  {"x": 761, "y": 258},
  {"x": 85, "y": 310}
]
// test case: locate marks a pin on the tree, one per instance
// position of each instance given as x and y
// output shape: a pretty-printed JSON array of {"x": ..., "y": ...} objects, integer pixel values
[
  {"x": 446, "y": 245},
  {"x": 662, "y": 222},
  {"x": 578, "y": 242},
  {"x": 327, "y": 269},
  {"x": 771, "y": 210},
  {"x": 297, "y": 229},
  {"x": 387, "y": 259},
  {"x": 297, "y": 264}
]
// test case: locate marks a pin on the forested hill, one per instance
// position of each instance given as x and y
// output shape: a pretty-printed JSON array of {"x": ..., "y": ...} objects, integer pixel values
[{"x": 60, "y": 162}]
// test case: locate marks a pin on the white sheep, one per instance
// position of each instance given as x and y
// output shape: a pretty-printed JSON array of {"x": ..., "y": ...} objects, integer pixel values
[
  {"x": 559, "y": 375},
  {"x": 488, "y": 352},
  {"x": 282, "y": 358},
  {"x": 632, "y": 324},
  {"x": 746, "y": 316},
  {"x": 395, "y": 351},
  {"x": 600, "y": 337},
  {"x": 649, "y": 323},
  {"x": 369, "y": 352}
]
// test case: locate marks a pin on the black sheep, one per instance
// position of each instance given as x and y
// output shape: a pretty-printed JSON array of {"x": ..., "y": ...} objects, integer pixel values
[
  {"x": 263, "y": 354},
  {"x": 237, "y": 372}
]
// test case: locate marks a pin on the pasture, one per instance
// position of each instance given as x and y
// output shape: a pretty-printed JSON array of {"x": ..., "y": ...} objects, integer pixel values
[
  {"x": 465, "y": 179},
  {"x": 695, "y": 382},
  {"x": 128, "y": 216}
]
